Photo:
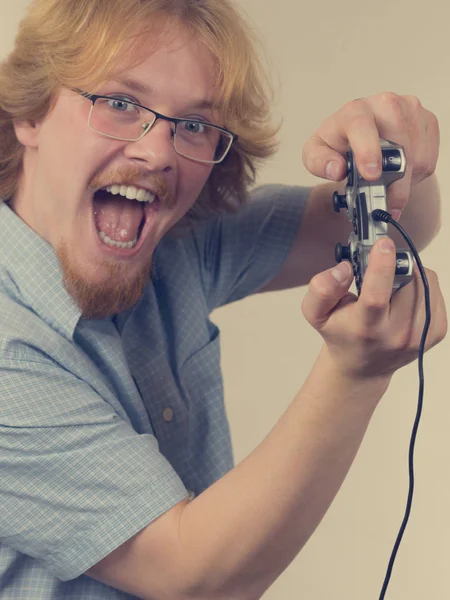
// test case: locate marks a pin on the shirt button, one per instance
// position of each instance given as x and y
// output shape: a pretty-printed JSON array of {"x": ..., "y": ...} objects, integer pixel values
[{"x": 168, "y": 415}]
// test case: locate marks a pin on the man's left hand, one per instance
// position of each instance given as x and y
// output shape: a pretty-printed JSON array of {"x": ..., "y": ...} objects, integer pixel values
[{"x": 359, "y": 124}]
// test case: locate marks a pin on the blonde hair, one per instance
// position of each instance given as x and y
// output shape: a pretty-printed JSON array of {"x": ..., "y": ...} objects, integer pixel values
[{"x": 76, "y": 43}]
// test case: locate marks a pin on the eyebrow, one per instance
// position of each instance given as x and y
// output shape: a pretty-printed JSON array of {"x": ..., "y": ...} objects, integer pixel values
[{"x": 141, "y": 88}]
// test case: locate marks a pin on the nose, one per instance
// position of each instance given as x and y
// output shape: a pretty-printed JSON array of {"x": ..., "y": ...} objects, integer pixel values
[{"x": 156, "y": 148}]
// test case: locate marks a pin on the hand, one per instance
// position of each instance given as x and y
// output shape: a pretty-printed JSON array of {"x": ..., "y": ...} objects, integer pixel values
[
  {"x": 373, "y": 336},
  {"x": 359, "y": 125}
]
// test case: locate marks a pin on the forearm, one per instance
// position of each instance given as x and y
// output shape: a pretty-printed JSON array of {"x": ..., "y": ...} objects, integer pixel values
[{"x": 245, "y": 529}]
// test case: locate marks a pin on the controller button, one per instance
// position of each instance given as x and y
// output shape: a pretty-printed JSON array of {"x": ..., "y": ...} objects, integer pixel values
[
  {"x": 350, "y": 179},
  {"x": 339, "y": 201},
  {"x": 342, "y": 253},
  {"x": 392, "y": 161}
]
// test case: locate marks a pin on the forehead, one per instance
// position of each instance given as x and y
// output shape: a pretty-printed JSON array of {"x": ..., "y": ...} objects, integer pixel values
[{"x": 165, "y": 61}]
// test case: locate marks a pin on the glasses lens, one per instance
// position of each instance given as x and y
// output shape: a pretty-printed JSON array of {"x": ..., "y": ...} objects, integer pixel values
[
  {"x": 119, "y": 118},
  {"x": 123, "y": 120},
  {"x": 201, "y": 141}
]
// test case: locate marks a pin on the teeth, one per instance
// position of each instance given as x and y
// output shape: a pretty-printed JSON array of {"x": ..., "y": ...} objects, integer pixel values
[
  {"x": 131, "y": 192},
  {"x": 142, "y": 196},
  {"x": 110, "y": 242}
]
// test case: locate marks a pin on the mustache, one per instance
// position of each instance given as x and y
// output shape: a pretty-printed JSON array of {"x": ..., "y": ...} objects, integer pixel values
[{"x": 134, "y": 175}]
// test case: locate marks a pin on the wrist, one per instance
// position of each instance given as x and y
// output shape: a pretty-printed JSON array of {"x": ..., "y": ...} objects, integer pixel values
[{"x": 329, "y": 377}]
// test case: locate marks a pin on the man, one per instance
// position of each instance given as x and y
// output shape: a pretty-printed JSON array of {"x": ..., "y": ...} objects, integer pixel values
[{"x": 128, "y": 129}]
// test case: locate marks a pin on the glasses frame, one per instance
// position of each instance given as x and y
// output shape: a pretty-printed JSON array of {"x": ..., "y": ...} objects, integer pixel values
[{"x": 174, "y": 120}]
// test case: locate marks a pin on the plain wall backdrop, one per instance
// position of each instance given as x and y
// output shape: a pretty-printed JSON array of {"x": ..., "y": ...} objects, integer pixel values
[{"x": 324, "y": 54}]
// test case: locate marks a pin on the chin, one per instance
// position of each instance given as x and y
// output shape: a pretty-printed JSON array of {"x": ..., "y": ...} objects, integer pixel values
[{"x": 110, "y": 288}]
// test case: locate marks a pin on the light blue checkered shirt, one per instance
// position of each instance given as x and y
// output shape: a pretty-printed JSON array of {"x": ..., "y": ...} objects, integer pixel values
[{"x": 89, "y": 452}]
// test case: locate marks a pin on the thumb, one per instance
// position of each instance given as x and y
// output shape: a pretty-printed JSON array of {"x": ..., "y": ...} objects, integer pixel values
[{"x": 325, "y": 292}]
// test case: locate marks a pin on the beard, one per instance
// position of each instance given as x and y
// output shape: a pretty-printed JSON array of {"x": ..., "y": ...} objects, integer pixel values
[{"x": 116, "y": 293}]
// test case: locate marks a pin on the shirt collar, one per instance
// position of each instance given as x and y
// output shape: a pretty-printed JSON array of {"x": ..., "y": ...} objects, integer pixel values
[{"x": 30, "y": 272}]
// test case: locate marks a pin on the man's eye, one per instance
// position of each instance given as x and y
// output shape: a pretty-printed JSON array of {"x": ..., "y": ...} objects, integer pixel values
[
  {"x": 194, "y": 127},
  {"x": 120, "y": 105}
]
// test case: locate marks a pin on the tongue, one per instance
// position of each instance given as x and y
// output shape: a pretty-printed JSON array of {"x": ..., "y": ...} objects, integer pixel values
[{"x": 117, "y": 217}]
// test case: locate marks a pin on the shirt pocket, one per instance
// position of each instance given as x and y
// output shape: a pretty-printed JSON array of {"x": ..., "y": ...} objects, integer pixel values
[
  {"x": 201, "y": 374},
  {"x": 209, "y": 440}
]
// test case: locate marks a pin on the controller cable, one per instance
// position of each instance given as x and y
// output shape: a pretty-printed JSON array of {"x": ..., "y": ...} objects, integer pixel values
[{"x": 385, "y": 217}]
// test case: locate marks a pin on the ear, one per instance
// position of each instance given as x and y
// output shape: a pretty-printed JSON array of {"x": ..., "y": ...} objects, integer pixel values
[{"x": 27, "y": 133}]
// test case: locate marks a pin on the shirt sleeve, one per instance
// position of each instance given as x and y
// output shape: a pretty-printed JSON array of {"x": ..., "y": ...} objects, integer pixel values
[
  {"x": 240, "y": 253},
  {"x": 76, "y": 480}
]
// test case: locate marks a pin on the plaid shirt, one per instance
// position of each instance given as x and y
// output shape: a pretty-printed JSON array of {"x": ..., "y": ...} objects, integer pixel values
[{"x": 107, "y": 424}]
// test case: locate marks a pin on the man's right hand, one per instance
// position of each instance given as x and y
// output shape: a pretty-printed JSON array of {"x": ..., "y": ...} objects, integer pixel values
[{"x": 373, "y": 335}]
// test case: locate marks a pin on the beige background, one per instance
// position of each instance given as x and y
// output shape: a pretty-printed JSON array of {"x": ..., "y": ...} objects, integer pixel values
[{"x": 324, "y": 54}]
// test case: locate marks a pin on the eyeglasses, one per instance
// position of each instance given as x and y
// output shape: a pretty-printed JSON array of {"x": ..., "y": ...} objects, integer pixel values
[{"x": 121, "y": 119}]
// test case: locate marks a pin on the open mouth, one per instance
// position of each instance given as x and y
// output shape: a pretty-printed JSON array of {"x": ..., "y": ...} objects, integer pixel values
[{"x": 120, "y": 215}]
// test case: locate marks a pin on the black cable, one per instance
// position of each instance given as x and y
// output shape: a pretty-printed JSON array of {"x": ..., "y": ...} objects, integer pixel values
[{"x": 385, "y": 217}]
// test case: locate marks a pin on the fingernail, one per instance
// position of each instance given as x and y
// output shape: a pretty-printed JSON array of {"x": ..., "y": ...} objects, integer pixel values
[
  {"x": 396, "y": 214},
  {"x": 373, "y": 168},
  {"x": 385, "y": 246},
  {"x": 332, "y": 170},
  {"x": 342, "y": 272}
]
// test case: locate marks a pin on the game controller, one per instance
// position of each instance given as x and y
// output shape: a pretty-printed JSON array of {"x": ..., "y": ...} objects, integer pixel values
[{"x": 360, "y": 199}]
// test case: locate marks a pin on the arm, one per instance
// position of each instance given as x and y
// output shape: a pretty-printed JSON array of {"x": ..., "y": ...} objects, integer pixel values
[
  {"x": 321, "y": 228},
  {"x": 237, "y": 537}
]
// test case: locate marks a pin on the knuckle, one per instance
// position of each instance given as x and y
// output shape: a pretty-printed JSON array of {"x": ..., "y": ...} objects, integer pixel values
[
  {"x": 429, "y": 169},
  {"x": 423, "y": 167},
  {"x": 375, "y": 302},
  {"x": 317, "y": 287},
  {"x": 390, "y": 99},
  {"x": 355, "y": 112},
  {"x": 414, "y": 103},
  {"x": 358, "y": 121},
  {"x": 392, "y": 103},
  {"x": 401, "y": 342},
  {"x": 355, "y": 103}
]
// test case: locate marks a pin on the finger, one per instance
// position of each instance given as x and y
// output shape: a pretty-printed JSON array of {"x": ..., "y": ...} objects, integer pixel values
[
  {"x": 354, "y": 126},
  {"x": 421, "y": 161},
  {"x": 438, "y": 323},
  {"x": 399, "y": 121},
  {"x": 433, "y": 135},
  {"x": 376, "y": 291},
  {"x": 364, "y": 140},
  {"x": 323, "y": 161},
  {"x": 325, "y": 292},
  {"x": 404, "y": 120},
  {"x": 439, "y": 317},
  {"x": 425, "y": 150},
  {"x": 408, "y": 310}
]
